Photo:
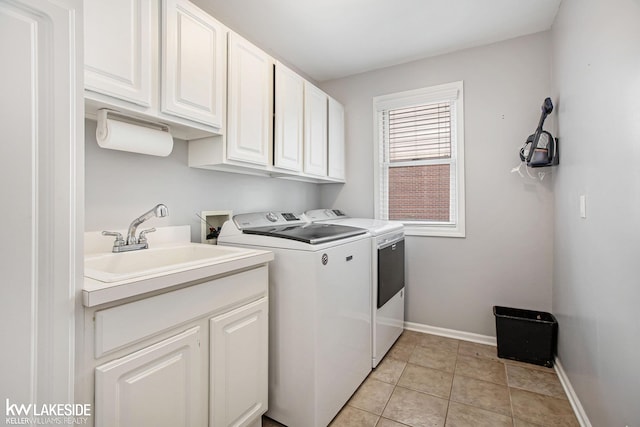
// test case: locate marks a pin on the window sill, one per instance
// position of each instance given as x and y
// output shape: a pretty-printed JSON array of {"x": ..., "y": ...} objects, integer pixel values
[{"x": 431, "y": 231}]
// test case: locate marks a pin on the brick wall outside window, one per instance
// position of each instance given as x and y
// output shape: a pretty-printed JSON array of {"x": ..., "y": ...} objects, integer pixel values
[{"x": 419, "y": 193}]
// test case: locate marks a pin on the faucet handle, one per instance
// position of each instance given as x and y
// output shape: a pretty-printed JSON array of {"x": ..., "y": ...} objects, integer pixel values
[
  {"x": 119, "y": 240},
  {"x": 143, "y": 235}
]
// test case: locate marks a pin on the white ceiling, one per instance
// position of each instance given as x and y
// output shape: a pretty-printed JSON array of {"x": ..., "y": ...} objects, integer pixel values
[{"x": 328, "y": 39}]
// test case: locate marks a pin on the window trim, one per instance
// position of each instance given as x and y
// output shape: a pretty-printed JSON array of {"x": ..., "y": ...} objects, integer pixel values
[{"x": 445, "y": 92}]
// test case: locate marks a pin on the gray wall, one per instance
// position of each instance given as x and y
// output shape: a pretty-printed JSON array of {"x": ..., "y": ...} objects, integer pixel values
[
  {"x": 596, "y": 293},
  {"x": 506, "y": 258},
  {"x": 120, "y": 186}
]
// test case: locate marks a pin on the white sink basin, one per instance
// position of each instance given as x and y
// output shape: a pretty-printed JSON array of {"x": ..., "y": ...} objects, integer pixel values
[{"x": 115, "y": 267}]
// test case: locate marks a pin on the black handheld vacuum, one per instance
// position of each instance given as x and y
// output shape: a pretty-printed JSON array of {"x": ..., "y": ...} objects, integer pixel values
[{"x": 541, "y": 148}]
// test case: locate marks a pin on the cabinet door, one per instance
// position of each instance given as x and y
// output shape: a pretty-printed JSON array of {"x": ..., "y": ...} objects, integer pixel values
[
  {"x": 157, "y": 386},
  {"x": 239, "y": 365},
  {"x": 193, "y": 63},
  {"x": 250, "y": 83},
  {"x": 336, "y": 140},
  {"x": 119, "y": 37},
  {"x": 315, "y": 131},
  {"x": 289, "y": 119}
]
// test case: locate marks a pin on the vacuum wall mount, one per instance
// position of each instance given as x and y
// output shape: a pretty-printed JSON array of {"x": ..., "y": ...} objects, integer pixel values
[{"x": 541, "y": 148}]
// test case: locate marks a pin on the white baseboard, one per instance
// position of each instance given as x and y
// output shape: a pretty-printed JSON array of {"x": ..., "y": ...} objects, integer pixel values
[
  {"x": 450, "y": 333},
  {"x": 581, "y": 415}
]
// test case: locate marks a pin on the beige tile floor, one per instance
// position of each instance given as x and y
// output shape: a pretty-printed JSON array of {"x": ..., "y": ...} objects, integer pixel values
[{"x": 427, "y": 380}]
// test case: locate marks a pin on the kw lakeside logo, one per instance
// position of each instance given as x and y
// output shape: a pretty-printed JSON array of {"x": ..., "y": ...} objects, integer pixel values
[{"x": 47, "y": 413}]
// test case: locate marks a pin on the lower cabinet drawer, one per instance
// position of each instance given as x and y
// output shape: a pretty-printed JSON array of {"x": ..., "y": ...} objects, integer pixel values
[{"x": 125, "y": 324}]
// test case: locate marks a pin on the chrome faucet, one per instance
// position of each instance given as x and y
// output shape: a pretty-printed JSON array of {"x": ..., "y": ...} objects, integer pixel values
[{"x": 132, "y": 243}]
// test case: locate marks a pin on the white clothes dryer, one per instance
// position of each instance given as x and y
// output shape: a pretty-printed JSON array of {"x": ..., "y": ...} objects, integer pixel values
[{"x": 387, "y": 275}]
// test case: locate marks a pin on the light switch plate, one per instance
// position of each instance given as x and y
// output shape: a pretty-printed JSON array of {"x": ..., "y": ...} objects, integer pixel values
[{"x": 583, "y": 206}]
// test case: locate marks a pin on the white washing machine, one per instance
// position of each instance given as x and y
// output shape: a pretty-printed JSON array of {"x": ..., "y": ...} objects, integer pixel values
[
  {"x": 387, "y": 275},
  {"x": 319, "y": 312}
]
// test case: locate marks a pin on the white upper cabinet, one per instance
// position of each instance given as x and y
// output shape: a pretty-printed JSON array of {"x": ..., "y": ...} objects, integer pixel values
[
  {"x": 289, "y": 119},
  {"x": 193, "y": 52},
  {"x": 315, "y": 131},
  {"x": 249, "y": 102},
  {"x": 336, "y": 140},
  {"x": 159, "y": 60},
  {"x": 119, "y": 38}
]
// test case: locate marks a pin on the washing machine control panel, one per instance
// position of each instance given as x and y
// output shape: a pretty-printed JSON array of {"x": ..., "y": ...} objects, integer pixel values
[
  {"x": 264, "y": 219},
  {"x": 324, "y": 214},
  {"x": 289, "y": 216},
  {"x": 271, "y": 216}
]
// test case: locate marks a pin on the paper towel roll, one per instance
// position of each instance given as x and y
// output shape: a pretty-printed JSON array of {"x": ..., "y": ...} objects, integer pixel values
[{"x": 117, "y": 135}]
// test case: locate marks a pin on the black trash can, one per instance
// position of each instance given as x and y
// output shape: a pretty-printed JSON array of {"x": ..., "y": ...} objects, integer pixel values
[{"x": 526, "y": 335}]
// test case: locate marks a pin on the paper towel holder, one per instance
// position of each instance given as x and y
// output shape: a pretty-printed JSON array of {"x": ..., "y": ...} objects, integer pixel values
[
  {"x": 117, "y": 131},
  {"x": 104, "y": 113}
]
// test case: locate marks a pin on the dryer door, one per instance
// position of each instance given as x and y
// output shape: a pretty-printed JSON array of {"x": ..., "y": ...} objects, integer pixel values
[{"x": 390, "y": 271}]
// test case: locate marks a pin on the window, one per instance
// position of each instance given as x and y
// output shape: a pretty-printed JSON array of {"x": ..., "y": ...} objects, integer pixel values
[{"x": 420, "y": 160}]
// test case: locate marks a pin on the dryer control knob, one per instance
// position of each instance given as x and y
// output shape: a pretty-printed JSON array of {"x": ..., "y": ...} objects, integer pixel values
[{"x": 272, "y": 217}]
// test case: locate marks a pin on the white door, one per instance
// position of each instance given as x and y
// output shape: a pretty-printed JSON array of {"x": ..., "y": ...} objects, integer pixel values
[
  {"x": 239, "y": 365},
  {"x": 119, "y": 36},
  {"x": 41, "y": 157},
  {"x": 157, "y": 386},
  {"x": 289, "y": 119},
  {"x": 336, "y": 140},
  {"x": 315, "y": 131},
  {"x": 193, "y": 63},
  {"x": 250, "y": 85}
]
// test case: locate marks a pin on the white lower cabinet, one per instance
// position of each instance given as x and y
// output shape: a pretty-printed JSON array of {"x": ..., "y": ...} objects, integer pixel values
[
  {"x": 239, "y": 365},
  {"x": 157, "y": 386},
  {"x": 191, "y": 357}
]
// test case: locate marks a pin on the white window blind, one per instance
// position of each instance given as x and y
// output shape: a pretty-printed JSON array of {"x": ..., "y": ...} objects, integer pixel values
[
  {"x": 420, "y": 132},
  {"x": 420, "y": 173}
]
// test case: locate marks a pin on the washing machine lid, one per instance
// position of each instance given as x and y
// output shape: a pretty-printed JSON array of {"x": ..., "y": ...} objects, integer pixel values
[
  {"x": 376, "y": 227},
  {"x": 312, "y": 233}
]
